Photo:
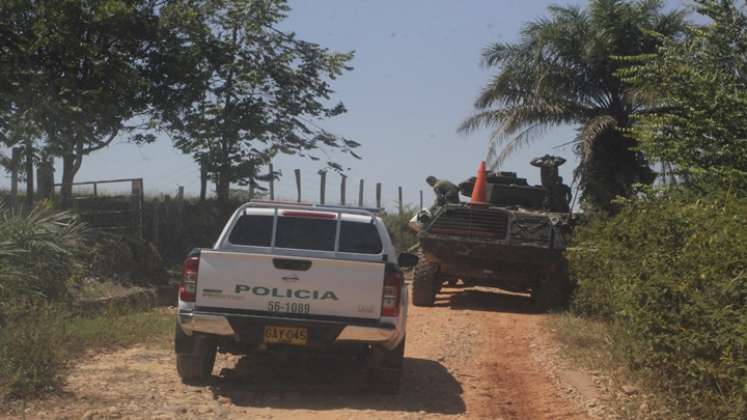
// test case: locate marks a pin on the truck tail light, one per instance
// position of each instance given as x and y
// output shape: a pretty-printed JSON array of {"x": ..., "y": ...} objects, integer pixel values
[
  {"x": 188, "y": 286},
  {"x": 393, "y": 282}
]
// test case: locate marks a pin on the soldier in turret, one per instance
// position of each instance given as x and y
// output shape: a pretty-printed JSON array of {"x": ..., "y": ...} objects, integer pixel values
[
  {"x": 559, "y": 194},
  {"x": 446, "y": 192}
]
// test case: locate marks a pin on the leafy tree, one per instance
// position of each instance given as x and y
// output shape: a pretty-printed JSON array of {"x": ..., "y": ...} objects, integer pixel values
[
  {"x": 700, "y": 84},
  {"x": 82, "y": 71},
  {"x": 563, "y": 71},
  {"x": 254, "y": 91}
]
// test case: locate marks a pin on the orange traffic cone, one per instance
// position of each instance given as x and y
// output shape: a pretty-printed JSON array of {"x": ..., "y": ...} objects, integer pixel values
[{"x": 480, "y": 190}]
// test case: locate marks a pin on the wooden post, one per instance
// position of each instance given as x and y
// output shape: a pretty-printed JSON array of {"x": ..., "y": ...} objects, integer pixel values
[
  {"x": 272, "y": 183},
  {"x": 203, "y": 182},
  {"x": 342, "y": 189},
  {"x": 298, "y": 183},
  {"x": 15, "y": 159},
  {"x": 401, "y": 210},
  {"x": 360, "y": 194},
  {"x": 95, "y": 190},
  {"x": 179, "y": 219},
  {"x": 421, "y": 200},
  {"x": 251, "y": 190},
  {"x": 322, "y": 185},
  {"x": 156, "y": 221},
  {"x": 378, "y": 195}
]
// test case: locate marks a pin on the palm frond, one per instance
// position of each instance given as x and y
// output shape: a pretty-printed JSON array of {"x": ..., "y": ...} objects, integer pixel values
[
  {"x": 522, "y": 139},
  {"x": 590, "y": 133}
]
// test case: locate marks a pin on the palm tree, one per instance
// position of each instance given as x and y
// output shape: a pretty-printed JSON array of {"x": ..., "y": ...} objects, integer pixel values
[{"x": 564, "y": 70}]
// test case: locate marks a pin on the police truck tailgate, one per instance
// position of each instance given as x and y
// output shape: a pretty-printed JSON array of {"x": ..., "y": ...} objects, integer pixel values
[{"x": 289, "y": 285}]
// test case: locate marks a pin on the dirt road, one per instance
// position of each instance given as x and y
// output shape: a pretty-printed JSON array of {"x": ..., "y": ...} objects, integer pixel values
[{"x": 477, "y": 354}]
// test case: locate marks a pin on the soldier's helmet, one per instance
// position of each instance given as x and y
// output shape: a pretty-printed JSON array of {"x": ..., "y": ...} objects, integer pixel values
[{"x": 431, "y": 180}]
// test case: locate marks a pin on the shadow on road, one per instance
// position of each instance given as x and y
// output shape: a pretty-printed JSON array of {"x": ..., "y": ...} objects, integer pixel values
[
  {"x": 324, "y": 384},
  {"x": 485, "y": 299}
]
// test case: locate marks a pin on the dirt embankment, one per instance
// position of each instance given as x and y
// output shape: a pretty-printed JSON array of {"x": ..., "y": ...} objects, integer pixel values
[{"x": 477, "y": 354}]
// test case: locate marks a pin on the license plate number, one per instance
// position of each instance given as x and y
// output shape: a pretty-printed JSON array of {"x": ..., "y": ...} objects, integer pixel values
[{"x": 286, "y": 335}]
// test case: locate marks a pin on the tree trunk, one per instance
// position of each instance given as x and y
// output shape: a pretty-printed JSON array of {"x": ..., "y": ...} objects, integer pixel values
[
  {"x": 223, "y": 186},
  {"x": 45, "y": 177},
  {"x": 15, "y": 163},
  {"x": 29, "y": 174},
  {"x": 68, "y": 177}
]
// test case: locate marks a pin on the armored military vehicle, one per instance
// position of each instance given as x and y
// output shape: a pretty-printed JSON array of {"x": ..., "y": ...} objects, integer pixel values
[{"x": 514, "y": 240}]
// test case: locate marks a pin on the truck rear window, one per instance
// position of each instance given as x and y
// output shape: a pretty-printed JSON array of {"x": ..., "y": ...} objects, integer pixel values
[
  {"x": 360, "y": 238},
  {"x": 252, "y": 230},
  {"x": 306, "y": 233},
  {"x": 302, "y": 233}
]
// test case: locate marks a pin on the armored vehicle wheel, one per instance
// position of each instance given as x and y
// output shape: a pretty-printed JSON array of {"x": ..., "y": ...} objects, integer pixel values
[
  {"x": 197, "y": 365},
  {"x": 385, "y": 372},
  {"x": 425, "y": 283},
  {"x": 552, "y": 290}
]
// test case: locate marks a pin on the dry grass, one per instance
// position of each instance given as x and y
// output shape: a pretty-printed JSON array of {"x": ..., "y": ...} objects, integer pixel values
[{"x": 589, "y": 344}]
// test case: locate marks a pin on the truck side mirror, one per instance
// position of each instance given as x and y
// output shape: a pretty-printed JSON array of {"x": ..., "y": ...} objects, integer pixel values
[{"x": 407, "y": 260}]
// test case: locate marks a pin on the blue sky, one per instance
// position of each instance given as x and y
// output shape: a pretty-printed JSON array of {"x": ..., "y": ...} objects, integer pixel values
[{"x": 417, "y": 73}]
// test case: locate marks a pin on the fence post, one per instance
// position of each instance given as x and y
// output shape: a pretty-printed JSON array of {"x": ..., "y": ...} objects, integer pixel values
[
  {"x": 251, "y": 189},
  {"x": 378, "y": 195},
  {"x": 95, "y": 190},
  {"x": 179, "y": 219},
  {"x": 203, "y": 182},
  {"x": 298, "y": 183},
  {"x": 360, "y": 194},
  {"x": 342, "y": 189},
  {"x": 272, "y": 183},
  {"x": 156, "y": 221},
  {"x": 421, "y": 200},
  {"x": 322, "y": 185},
  {"x": 399, "y": 201}
]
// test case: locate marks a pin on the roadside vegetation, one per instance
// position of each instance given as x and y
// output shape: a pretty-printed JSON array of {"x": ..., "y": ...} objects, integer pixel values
[
  {"x": 397, "y": 224},
  {"x": 667, "y": 273},
  {"x": 43, "y": 257},
  {"x": 660, "y": 267}
]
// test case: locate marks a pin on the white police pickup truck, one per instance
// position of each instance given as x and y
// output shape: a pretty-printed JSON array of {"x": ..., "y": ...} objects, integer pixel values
[{"x": 287, "y": 275}]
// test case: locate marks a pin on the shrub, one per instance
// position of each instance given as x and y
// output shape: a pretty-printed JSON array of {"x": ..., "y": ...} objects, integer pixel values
[
  {"x": 37, "y": 252},
  {"x": 671, "y": 273},
  {"x": 31, "y": 349},
  {"x": 397, "y": 224}
]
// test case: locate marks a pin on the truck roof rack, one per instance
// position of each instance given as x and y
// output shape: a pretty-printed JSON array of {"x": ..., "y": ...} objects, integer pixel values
[{"x": 303, "y": 205}]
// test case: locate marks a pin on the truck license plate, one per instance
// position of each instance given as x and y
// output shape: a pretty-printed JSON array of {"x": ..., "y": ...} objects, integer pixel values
[{"x": 286, "y": 335}]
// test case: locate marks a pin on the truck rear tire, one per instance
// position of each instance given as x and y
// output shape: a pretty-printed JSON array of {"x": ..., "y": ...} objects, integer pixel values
[
  {"x": 386, "y": 372},
  {"x": 425, "y": 283},
  {"x": 197, "y": 365}
]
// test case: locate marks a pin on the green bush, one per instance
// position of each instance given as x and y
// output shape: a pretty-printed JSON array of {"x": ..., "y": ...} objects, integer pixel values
[
  {"x": 31, "y": 349},
  {"x": 37, "y": 252},
  {"x": 397, "y": 224},
  {"x": 670, "y": 271}
]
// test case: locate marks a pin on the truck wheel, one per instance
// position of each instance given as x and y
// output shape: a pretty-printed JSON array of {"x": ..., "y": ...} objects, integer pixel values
[
  {"x": 385, "y": 372},
  {"x": 197, "y": 365},
  {"x": 552, "y": 290},
  {"x": 425, "y": 283}
]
